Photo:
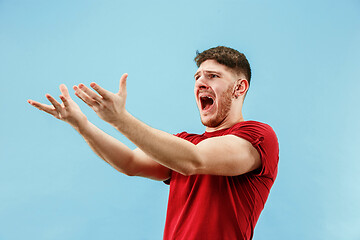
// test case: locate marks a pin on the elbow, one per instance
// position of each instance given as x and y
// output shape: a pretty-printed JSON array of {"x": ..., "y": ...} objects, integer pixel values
[
  {"x": 191, "y": 171},
  {"x": 129, "y": 174},
  {"x": 126, "y": 172},
  {"x": 194, "y": 167},
  {"x": 187, "y": 172},
  {"x": 129, "y": 169}
]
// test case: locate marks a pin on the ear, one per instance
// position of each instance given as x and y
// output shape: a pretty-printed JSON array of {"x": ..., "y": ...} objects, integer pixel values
[{"x": 241, "y": 87}]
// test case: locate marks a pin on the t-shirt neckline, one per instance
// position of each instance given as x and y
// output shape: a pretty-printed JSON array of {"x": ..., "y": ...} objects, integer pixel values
[{"x": 219, "y": 132}]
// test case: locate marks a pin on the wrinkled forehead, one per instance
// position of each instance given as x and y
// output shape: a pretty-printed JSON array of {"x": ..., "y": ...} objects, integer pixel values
[{"x": 211, "y": 66}]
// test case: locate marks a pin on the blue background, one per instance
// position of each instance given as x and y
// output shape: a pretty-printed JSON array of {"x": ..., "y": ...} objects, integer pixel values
[{"x": 305, "y": 61}]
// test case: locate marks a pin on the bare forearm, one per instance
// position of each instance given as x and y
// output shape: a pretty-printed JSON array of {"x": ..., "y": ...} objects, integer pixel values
[
  {"x": 163, "y": 148},
  {"x": 168, "y": 150},
  {"x": 108, "y": 148}
]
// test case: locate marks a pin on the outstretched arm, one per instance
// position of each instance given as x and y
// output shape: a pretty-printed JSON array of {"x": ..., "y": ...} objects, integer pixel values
[
  {"x": 226, "y": 155},
  {"x": 118, "y": 155},
  {"x": 122, "y": 158}
]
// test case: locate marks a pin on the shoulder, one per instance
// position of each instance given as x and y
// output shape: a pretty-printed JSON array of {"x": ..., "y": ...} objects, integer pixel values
[
  {"x": 258, "y": 134},
  {"x": 252, "y": 126},
  {"x": 264, "y": 140},
  {"x": 253, "y": 129}
]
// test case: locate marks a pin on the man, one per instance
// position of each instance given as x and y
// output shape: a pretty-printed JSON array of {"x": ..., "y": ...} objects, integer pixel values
[{"x": 220, "y": 180}]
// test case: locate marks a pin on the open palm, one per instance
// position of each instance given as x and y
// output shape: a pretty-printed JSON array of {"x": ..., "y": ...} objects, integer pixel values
[{"x": 68, "y": 111}]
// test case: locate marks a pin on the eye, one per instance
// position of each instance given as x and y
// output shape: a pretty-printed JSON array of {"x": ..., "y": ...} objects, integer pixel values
[{"x": 213, "y": 75}]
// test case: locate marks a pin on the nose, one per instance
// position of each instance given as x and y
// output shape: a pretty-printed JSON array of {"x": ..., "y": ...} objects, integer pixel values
[{"x": 201, "y": 83}]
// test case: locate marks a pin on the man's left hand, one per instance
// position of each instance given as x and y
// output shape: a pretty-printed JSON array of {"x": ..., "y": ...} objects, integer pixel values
[{"x": 109, "y": 106}]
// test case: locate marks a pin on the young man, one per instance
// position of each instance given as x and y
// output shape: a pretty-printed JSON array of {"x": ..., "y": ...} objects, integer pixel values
[{"x": 219, "y": 180}]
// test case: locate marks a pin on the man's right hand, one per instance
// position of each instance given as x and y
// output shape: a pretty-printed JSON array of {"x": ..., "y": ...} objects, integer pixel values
[
  {"x": 68, "y": 111},
  {"x": 111, "y": 150}
]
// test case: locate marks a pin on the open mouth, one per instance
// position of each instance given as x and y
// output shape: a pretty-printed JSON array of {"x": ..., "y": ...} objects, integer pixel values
[{"x": 206, "y": 102}]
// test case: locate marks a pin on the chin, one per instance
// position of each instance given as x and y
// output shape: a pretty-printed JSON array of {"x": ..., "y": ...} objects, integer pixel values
[{"x": 211, "y": 122}]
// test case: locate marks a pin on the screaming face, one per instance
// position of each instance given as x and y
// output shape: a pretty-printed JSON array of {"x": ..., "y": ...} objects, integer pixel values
[{"x": 214, "y": 92}]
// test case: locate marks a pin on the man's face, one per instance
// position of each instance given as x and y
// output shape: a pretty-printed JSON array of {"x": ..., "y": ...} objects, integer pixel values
[{"x": 214, "y": 85}]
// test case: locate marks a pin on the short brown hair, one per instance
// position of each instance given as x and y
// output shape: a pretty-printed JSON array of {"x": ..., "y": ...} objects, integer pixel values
[{"x": 229, "y": 57}]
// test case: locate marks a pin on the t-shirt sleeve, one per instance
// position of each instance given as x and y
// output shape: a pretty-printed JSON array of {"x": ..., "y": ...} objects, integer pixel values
[{"x": 264, "y": 140}]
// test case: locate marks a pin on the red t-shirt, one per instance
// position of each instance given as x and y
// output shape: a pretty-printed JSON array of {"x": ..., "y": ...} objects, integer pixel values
[{"x": 222, "y": 207}]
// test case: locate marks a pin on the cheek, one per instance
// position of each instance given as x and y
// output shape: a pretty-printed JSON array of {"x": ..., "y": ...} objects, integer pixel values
[{"x": 220, "y": 91}]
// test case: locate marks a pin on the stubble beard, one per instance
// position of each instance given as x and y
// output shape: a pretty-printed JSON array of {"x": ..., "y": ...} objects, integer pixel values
[{"x": 222, "y": 111}]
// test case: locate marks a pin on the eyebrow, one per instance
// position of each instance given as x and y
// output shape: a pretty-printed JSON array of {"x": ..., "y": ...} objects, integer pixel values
[{"x": 208, "y": 71}]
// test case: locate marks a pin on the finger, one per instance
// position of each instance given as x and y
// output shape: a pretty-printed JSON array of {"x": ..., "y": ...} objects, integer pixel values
[
  {"x": 55, "y": 103},
  {"x": 90, "y": 92},
  {"x": 103, "y": 92},
  {"x": 122, "y": 87},
  {"x": 84, "y": 97},
  {"x": 65, "y": 101},
  {"x": 64, "y": 91},
  {"x": 43, "y": 107}
]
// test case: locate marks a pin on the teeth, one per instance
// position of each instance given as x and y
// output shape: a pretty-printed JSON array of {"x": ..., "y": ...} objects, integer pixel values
[{"x": 206, "y": 97}]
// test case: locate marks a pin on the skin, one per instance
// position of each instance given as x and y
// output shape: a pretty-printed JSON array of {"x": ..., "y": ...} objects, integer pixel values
[
  {"x": 159, "y": 152},
  {"x": 219, "y": 82}
]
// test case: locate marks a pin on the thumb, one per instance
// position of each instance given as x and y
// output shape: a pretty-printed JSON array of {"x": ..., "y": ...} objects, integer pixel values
[{"x": 122, "y": 87}]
